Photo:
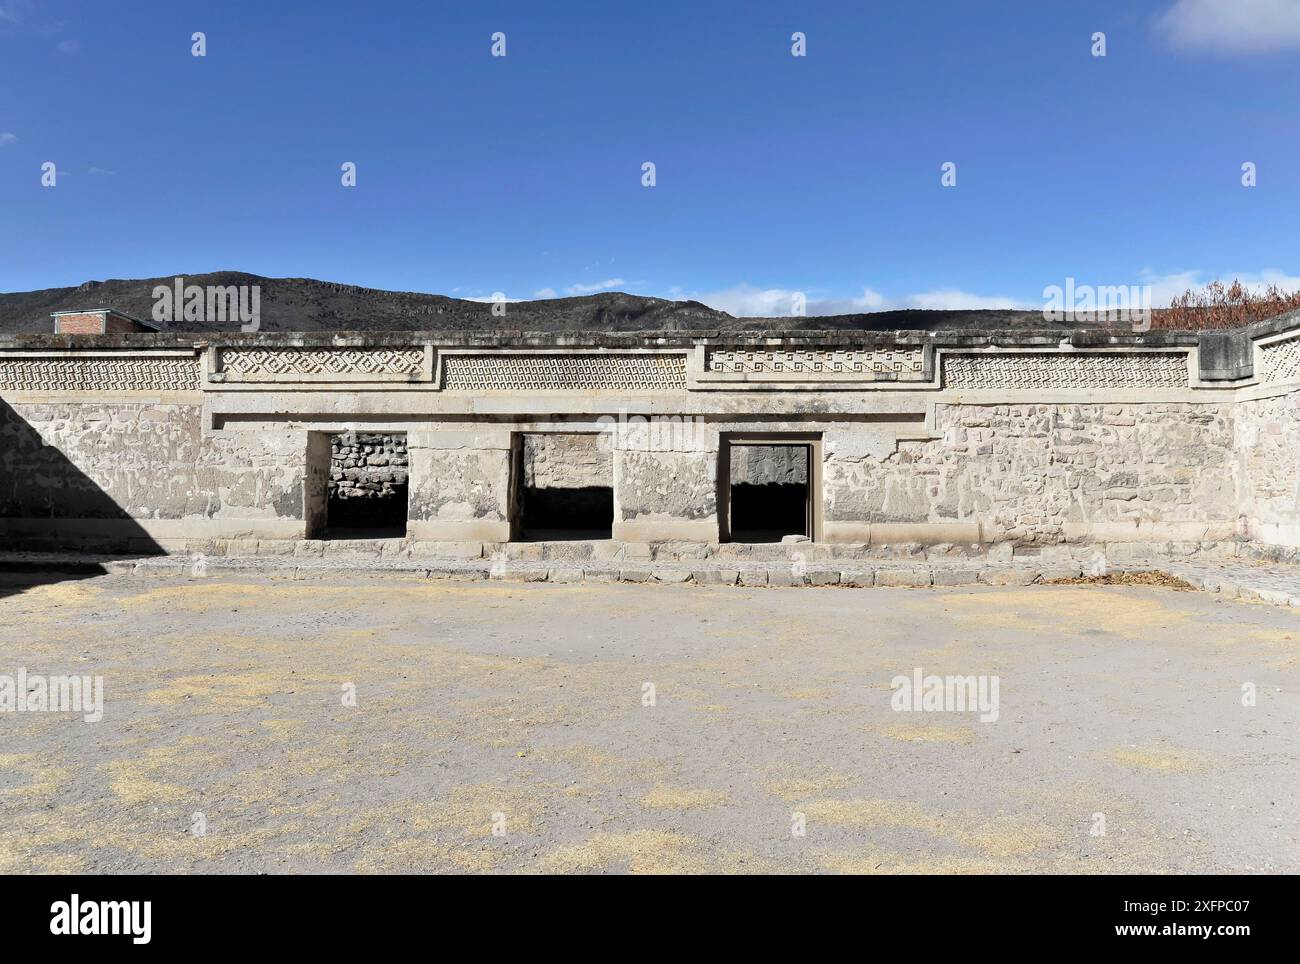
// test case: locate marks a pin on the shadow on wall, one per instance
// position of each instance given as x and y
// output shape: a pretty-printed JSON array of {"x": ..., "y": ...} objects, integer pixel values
[{"x": 49, "y": 505}]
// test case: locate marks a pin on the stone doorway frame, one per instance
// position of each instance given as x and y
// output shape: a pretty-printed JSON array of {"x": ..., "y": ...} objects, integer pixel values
[
  {"x": 315, "y": 484},
  {"x": 813, "y": 441},
  {"x": 515, "y": 487},
  {"x": 317, "y": 472}
]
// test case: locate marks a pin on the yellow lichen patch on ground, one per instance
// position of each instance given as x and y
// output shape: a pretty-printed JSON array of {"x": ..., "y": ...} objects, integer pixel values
[
  {"x": 132, "y": 787},
  {"x": 792, "y": 789},
  {"x": 601, "y": 768},
  {"x": 43, "y": 778},
  {"x": 182, "y": 844},
  {"x": 998, "y": 837},
  {"x": 203, "y": 594},
  {"x": 476, "y": 810},
  {"x": 1288, "y": 639},
  {"x": 466, "y": 830},
  {"x": 33, "y": 842},
  {"x": 1006, "y": 837},
  {"x": 235, "y": 691},
  {"x": 158, "y": 775},
  {"x": 808, "y": 693},
  {"x": 166, "y": 773},
  {"x": 927, "y": 731},
  {"x": 54, "y": 598},
  {"x": 1159, "y": 758},
  {"x": 1132, "y": 613},
  {"x": 871, "y": 813},
  {"x": 284, "y": 729},
  {"x": 876, "y": 862},
  {"x": 416, "y": 854},
  {"x": 64, "y": 840},
  {"x": 664, "y": 797},
  {"x": 642, "y": 852}
]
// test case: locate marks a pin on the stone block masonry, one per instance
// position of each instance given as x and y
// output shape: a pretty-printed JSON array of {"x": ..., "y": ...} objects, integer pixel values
[
  {"x": 1029, "y": 473},
  {"x": 367, "y": 466},
  {"x": 368, "y": 481},
  {"x": 1028, "y": 440}
]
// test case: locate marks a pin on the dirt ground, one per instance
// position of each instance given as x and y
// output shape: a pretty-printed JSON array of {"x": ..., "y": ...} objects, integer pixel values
[{"x": 509, "y": 727}]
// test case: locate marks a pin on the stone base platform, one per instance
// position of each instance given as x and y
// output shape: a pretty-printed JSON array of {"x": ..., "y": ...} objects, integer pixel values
[{"x": 1230, "y": 569}]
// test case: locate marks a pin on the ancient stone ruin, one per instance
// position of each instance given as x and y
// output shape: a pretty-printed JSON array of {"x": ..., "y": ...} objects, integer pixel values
[
  {"x": 367, "y": 486},
  {"x": 172, "y": 443}
]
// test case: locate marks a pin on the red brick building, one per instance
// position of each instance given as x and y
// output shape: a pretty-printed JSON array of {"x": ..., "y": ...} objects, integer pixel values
[{"x": 97, "y": 321}]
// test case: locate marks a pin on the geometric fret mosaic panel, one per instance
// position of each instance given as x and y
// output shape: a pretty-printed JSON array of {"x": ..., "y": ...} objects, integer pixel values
[
  {"x": 99, "y": 374},
  {"x": 1280, "y": 361},
  {"x": 276, "y": 363},
  {"x": 631, "y": 371},
  {"x": 1023, "y": 370},
  {"x": 890, "y": 364}
]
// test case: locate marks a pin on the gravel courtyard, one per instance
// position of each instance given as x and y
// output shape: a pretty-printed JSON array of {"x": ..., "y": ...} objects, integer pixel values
[{"x": 509, "y": 727}]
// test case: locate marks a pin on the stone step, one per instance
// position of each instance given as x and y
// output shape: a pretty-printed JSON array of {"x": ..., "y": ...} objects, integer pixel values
[{"x": 1276, "y": 584}]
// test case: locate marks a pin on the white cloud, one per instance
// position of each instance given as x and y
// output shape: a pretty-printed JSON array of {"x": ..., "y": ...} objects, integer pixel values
[
  {"x": 747, "y": 301},
  {"x": 581, "y": 289},
  {"x": 68, "y": 46},
  {"x": 1232, "y": 26},
  {"x": 743, "y": 300},
  {"x": 99, "y": 170},
  {"x": 495, "y": 296},
  {"x": 954, "y": 300},
  {"x": 13, "y": 11},
  {"x": 1167, "y": 286},
  {"x": 6, "y": 138}
]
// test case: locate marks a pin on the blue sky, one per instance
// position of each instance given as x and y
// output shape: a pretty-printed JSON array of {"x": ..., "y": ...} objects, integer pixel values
[{"x": 522, "y": 174}]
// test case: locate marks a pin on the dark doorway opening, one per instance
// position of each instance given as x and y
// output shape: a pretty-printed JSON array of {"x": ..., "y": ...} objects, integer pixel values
[
  {"x": 564, "y": 483},
  {"x": 770, "y": 491},
  {"x": 364, "y": 493}
]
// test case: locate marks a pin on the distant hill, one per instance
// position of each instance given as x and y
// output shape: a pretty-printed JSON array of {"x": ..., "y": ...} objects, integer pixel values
[{"x": 303, "y": 304}]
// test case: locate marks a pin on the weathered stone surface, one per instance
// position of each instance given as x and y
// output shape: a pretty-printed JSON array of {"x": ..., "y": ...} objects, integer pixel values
[
  {"x": 1043, "y": 440},
  {"x": 460, "y": 484},
  {"x": 903, "y": 577},
  {"x": 954, "y": 577},
  {"x": 368, "y": 466},
  {"x": 1025, "y": 470},
  {"x": 92, "y": 460},
  {"x": 1010, "y": 577},
  {"x": 567, "y": 460},
  {"x": 666, "y": 485},
  {"x": 769, "y": 464},
  {"x": 823, "y": 577}
]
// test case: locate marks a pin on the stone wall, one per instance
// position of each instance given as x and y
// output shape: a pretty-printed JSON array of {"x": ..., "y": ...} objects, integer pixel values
[
  {"x": 1038, "y": 474},
  {"x": 769, "y": 464},
  {"x": 367, "y": 487},
  {"x": 1267, "y": 463},
  {"x": 145, "y": 462},
  {"x": 460, "y": 485},
  {"x": 1028, "y": 438},
  {"x": 368, "y": 466},
  {"x": 567, "y": 460}
]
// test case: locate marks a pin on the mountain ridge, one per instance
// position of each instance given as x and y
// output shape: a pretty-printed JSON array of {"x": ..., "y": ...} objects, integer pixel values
[{"x": 309, "y": 304}]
